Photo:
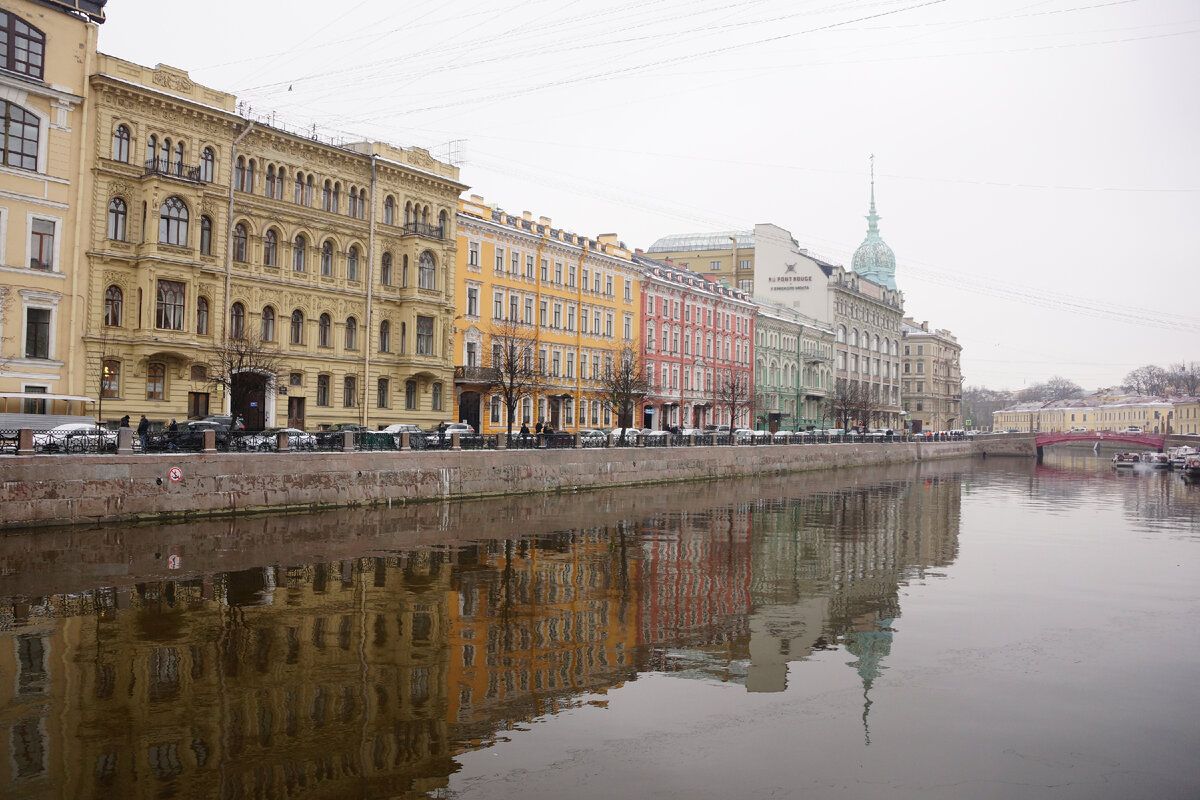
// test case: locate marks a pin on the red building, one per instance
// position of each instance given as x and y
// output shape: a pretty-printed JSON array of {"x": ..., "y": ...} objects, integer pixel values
[{"x": 698, "y": 340}]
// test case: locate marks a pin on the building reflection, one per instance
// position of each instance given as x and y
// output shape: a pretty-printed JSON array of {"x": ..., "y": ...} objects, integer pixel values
[{"x": 366, "y": 675}]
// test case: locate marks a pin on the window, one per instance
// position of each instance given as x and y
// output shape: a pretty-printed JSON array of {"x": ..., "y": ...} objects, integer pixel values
[
  {"x": 271, "y": 180},
  {"x": 558, "y": 272},
  {"x": 351, "y": 333},
  {"x": 37, "y": 333},
  {"x": 529, "y": 267},
  {"x": 349, "y": 392},
  {"x": 239, "y": 242},
  {"x": 151, "y": 150},
  {"x": 110, "y": 379},
  {"x": 271, "y": 249},
  {"x": 437, "y": 397},
  {"x": 22, "y": 46},
  {"x": 389, "y": 211},
  {"x": 410, "y": 395},
  {"x": 173, "y": 222},
  {"x": 325, "y": 331},
  {"x": 237, "y": 321},
  {"x": 473, "y": 254},
  {"x": 381, "y": 393},
  {"x": 268, "y": 324},
  {"x": 206, "y": 230},
  {"x": 156, "y": 378},
  {"x": 120, "y": 144},
  {"x": 297, "y": 332},
  {"x": 327, "y": 197},
  {"x": 385, "y": 337},
  {"x": 608, "y": 324},
  {"x": 385, "y": 271},
  {"x": 424, "y": 336},
  {"x": 322, "y": 390},
  {"x": 498, "y": 305},
  {"x": 426, "y": 271},
  {"x": 352, "y": 264},
  {"x": 327, "y": 259},
  {"x": 207, "y": 160},
  {"x": 298, "y": 248},
  {"x": 403, "y": 337},
  {"x": 169, "y": 306},
  {"x": 628, "y": 290},
  {"x": 404, "y": 271},
  {"x": 113, "y": 299},
  {"x": 41, "y": 244},
  {"x": 239, "y": 174},
  {"x": 472, "y": 301}
]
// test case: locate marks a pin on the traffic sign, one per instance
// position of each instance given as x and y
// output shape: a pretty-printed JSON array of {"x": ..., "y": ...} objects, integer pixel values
[{"x": 176, "y": 474}]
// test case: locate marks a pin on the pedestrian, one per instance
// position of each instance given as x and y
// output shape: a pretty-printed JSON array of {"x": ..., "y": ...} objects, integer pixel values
[
  {"x": 441, "y": 432},
  {"x": 524, "y": 430},
  {"x": 143, "y": 431},
  {"x": 538, "y": 427},
  {"x": 172, "y": 435}
]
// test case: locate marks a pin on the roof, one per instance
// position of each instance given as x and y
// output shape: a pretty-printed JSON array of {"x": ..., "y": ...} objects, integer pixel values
[{"x": 720, "y": 240}]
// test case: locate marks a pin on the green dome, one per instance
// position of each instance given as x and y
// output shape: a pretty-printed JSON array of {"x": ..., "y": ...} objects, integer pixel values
[{"x": 873, "y": 259}]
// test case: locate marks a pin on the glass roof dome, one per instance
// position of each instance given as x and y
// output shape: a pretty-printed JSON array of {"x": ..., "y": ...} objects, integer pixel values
[{"x": 699, "y": 242}]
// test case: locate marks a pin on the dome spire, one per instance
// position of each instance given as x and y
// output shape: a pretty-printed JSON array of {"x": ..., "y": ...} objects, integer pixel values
[
  {"x": 872, "y": 217},
  {"x": 873, "y": 259}
]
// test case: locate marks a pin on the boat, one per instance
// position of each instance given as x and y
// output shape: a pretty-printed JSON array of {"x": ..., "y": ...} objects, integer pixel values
[
  {"x": 1155, "y": 460},
  {"x": 1176, "y": 455},
  {"x": 1191, "y": 466},
  {"x": 1126, "y": 460}
]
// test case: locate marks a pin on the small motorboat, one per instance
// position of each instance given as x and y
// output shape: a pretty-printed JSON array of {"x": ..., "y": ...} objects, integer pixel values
[
  {"x": 1191, "y": 466},
  {"x": 1176, "y": 455},
  {"x": 1156, "y": 460},
  {"x": 1126, "y": 460}
]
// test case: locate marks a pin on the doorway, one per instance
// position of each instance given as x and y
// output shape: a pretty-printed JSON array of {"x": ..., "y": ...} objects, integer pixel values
[
  {"x": 296, "y": 412},
  {"x": 248, "y": 397}
]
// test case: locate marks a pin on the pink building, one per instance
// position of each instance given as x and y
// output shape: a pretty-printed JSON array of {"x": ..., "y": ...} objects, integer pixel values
[{"x": 697, "y": 340}]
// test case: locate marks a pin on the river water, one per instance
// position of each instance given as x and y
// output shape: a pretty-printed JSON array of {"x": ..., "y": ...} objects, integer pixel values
[{"x": 966, "y": 629}]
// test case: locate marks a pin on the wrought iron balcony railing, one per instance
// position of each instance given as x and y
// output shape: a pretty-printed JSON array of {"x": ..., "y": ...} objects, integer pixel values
[
  {"x": 473, "y": 374},
  {"x": 176, "y": 169},
  {"x": 424, "y": 229}
]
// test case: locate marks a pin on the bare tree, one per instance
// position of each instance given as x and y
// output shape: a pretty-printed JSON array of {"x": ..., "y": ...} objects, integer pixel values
[
  {"x": 100, "y": 378},
  {"x": 849, "y": 403},
  {"x": 232, "y": 357},
  {"x": 5, "y": 306},
  {"x": 1148, "y": 380},
  {"x": 735, "y": 391},
  {"x": 624, "y": 384},
  {"x": 1057, "y": 388},
  {"x": 1185, "y": 377},
  {"x": 513, "y": 370}
]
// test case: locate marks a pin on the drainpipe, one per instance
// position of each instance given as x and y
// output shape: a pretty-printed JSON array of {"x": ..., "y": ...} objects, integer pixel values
[
  {"x": 366, "y": 395},
  {"x": 229, "y": 233},
  {"x": 583, "y": 251},
  {"x": 77, "y": 314}
]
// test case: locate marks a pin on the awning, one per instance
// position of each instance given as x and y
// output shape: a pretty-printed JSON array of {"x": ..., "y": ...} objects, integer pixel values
[{"x": 38, "y": 396}]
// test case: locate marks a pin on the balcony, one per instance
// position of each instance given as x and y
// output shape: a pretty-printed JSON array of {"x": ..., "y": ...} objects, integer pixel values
[
  {"x": 485, "y": 376},
  {"x": 173, "y": 169},
  {"x": 424, "y": 229}
]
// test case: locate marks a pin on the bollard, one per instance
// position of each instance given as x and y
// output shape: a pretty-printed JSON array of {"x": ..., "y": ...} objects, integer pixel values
[
  {"x": 691, "y": 440},
  {"x": 281, "y": 442},
  {"x": 210, "y": 440},
  {"x": 25, "y": 441},
  {"x": 502, "y": 441},
  {"x": 405, "y": 442},
  {"x": 454, "y": 442},
  {"x": 611, "y": 440},
  {"x": 578, "y": 440},
  {"x": 347, "y": 441}
]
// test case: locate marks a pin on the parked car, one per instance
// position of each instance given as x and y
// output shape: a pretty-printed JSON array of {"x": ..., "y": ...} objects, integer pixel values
[
  {"x": 76, "y": 437},
  {"x": 631, "y": 435},
  {"x": 592, "y": 436},
  {"x": 402, "y": 427},
  {"x": 269, "y": 439},
  {"x": 717, "y": 429},
  {"x": 746, "y": 436},
  {"x": 461, "y": 428},
  {"x": 651, "y": 436}
]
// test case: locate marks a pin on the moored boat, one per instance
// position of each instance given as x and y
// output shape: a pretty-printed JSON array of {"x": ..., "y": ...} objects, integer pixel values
[
  {"x": 1126, "y": 460},
  {"x": 1191, "y": 466},
  {"x": 1176, "y": 455}
]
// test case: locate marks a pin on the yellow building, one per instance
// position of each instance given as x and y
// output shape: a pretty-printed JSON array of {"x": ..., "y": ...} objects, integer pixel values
[
  {"x": 574, "y": 301},
  {"x": 49, "y": 51},
  {"x": 1186, "y": 415},
  {"x": 1149, "y": 414},
  {"x": 727, "y": 255},
  {"x": 332, "y": 264}
]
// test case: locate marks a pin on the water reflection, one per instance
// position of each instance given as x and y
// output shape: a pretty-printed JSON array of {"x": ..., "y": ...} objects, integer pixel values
[{"x": 357, "y": 653}]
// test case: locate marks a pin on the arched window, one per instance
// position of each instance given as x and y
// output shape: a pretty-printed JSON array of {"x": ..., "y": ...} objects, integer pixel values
[
  {"x": 410, "y": 395},
  {"x": 352, "y": 264},
  {"x": 156, "y": 379},
  {"x": 239, "y": 242},
  {"x": 205, "y": 235},
  {"x": 324, "y": 330},
  {"x": 427, "y": 271},
  {"x": 120, "y": 144},
  {"x": 876, "y": 343},
  {"x": 389, "y": 211},
  {"x": 116, "y": 219},
  {"x": 327, "y": 258},
  {"x": 327, "y": 196},
  {"x": 337, "y": 197},
  {"x": 442, "y": 223},
  {"x": 351, "y": 333},
  {"x": 403, "y": 337},
  {"x": 271, "y": 248},
  {"x": 113, "y": 300},
  {"x": 298, "y": 252},
  {"x": 202, "y": 316},
  {"x": 239, "y": 174},
  {"x": 110, "y": 379},
  {"x": 385, "y": 337},
  {"x": 408, "y": 214},
  {"x": 362, "y": 203},
  {"x": 297, "y": 335},
  {"x": 298, "y": 193},
  {"x": 854, "y": 337},
  {"x": 268, "y": 324},
  {"x": 270, "y": 180},
  {"x": 841, "y": 334},
  {"x": 385, "y": 270},
  {"x": 353, "y": 209},
  {"x": 208, "y": 160},
  {"x": 25, "y": 46},
  {"x": 237, "y": 321},
  {"x": 322, "y": 390},
  {"x": 349, "y": 391},
  {"x": 404, "y": 270},
  {"x": 437, "y": 397},
  {"x": 177, "y": 165},
  {"x": 151, "y": 150},
  {"x": 425, "y": 216},
  {"x": 308, "y": 190},
  {"x": 250, "y": 175},
  {"x": 173, "y": 222}
]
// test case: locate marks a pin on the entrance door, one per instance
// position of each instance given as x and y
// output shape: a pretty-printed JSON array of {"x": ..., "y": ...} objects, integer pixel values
[
  {"x": 468, "y": 409},
  {"x": 248, "y": 397},
  {"x": 296, "y": 412}
]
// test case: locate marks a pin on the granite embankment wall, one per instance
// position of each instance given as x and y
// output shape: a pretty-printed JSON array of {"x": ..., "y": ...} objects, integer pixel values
[{"x": 65, "y": 489}]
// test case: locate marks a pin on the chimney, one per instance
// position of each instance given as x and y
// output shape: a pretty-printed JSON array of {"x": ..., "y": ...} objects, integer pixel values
[
  {"x": 527, "y": 216},
  {"x": 544, "y": 221}
]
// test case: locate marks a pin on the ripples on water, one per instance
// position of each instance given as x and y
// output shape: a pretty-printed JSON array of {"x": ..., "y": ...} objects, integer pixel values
[{"x": 970, "y": 629}]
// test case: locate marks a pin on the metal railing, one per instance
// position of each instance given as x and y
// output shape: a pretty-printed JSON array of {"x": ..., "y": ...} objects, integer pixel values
[
  {"x": 176, "y": 169},
  {"x": 424, "y": 229}
]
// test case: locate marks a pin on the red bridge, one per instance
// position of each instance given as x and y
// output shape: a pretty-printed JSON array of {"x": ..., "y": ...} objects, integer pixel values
[{"x": 1146, "y": 441}]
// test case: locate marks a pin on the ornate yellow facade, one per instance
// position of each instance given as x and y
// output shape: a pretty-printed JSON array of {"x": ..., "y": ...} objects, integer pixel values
[
  {"x": 579, "y": 299},
  {"x": 50, "y": 51},
  {"x": 336, "y": 261}
]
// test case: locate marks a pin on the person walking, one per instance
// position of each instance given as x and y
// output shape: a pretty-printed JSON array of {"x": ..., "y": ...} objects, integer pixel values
[
  {"x": 172, "y": 435},
  {"x": 524, "y": 432},
  {"x": 143, "y": 431},
  {"x": 539, "y": 427}
]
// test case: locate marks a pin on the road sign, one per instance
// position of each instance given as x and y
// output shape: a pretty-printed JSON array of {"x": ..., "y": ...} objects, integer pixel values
[
  {"x": 173, "y": 561},
  {"x": 176, "y": 474}
]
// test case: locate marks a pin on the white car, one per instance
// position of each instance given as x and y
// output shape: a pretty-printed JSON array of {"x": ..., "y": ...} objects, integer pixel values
[
  {"x": 746, "y": 435},
  {"x": 76, "y": 437},
  {"x": 269, "y": 439},
  {"x": 631, "y": 435}
]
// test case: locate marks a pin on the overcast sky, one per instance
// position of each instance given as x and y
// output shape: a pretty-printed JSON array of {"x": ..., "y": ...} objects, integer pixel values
[{"x": 1037, "y": 163}]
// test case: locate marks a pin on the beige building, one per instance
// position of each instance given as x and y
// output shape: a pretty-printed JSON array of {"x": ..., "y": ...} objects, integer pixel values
[
  {"x": 333, "y": 265},
  {"x": 48, "y": 54},
  {"x": 932, "y": 382},
  {"x": 1110, "y": 413}
]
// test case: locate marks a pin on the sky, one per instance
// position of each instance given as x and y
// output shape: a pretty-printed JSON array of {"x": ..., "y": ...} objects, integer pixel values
[{"x": 1036, "y": 164}]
